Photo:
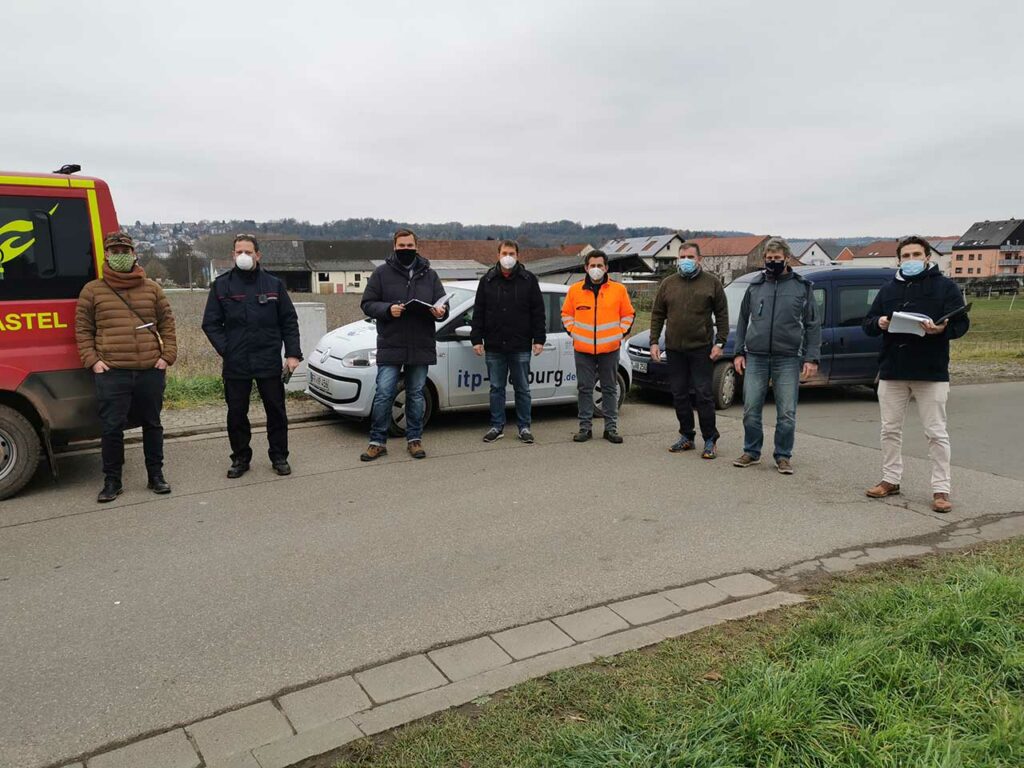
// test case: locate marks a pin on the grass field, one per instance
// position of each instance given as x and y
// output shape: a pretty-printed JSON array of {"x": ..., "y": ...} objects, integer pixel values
[
  {"x": 920, "y": 665},
  {"x": 996, "y": 334},
  {"x": 195, "y": 377}
]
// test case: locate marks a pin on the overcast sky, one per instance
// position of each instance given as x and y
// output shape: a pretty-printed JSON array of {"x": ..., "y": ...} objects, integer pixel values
[{"x": 805, "y": 119}]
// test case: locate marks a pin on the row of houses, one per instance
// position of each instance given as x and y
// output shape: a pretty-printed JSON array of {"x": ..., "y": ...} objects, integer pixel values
[
  {"x": 987, "y": 249},
  {"x": 343, "y": 266}
]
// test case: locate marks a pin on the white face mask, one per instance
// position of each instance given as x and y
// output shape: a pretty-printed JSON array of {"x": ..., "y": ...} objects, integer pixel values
[
  {"x": 507, "y": 262},
  {"x": 244, "y": 261},
  {"x": 596, "y": 273}
]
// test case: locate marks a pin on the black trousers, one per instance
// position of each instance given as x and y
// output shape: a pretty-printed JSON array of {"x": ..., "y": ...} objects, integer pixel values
[
  {"x": 137, "y": 396},
  {"x": 237, "y": 393},
  {"x": 690, "y": 374}
]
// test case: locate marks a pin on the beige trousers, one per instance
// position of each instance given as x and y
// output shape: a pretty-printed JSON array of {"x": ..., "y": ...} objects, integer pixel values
[{"x": 893, "y": 399}]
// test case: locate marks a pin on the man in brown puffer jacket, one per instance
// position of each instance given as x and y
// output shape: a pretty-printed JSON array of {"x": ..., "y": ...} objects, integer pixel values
[{"x": 125, "y": 333}]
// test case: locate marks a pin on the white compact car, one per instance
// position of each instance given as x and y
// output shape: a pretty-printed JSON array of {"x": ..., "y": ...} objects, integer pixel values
[{"x": 343, "y": 368}]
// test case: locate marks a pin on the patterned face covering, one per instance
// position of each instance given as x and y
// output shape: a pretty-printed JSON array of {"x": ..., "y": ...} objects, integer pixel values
[{"x": 121, "y": 262}]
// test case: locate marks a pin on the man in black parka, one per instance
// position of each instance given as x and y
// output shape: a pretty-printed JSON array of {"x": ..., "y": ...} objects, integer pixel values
[
  {"x": 406, "y": 346},
  {"x": 248, "y": 316},
  {"x": 508, "y": 324},
  {"x": 915, "y": 364}
]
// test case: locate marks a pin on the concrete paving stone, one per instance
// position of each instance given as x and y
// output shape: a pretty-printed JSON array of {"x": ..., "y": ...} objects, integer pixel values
[
  {"x": 240, "y": 760},
  {"x": 971, "y": 531},
  {"x": 396, "y": 713},
  {"x": 621, "y": 642},
  {"x": 324, "y": 738},
  {"x": 73, "y": 765},
  {"x": 743, "y": 585},
  {"x": 400, "y": 678},
  {"x": 741, "y": 609},
  {"x": 1006, "y": 528},
  {"x": 324, "y": 703},
  {"x": 696, "y": 596},
  {"x": 168, "y": 750},
  {"x": 224, "y": 736},
  {"x": 592, "y": 623},
  {"x": 532, "y": 639},
  {"x": 470, "y": 658},
  {"x": 884, "y": 554},
  {"x": 838, "y": 564},
  {"x": 808, "y": 566},
  {"x": 958, "y": 542},
  {"x": 853, "y": 554},
  {"x": 645, "y": 609}
]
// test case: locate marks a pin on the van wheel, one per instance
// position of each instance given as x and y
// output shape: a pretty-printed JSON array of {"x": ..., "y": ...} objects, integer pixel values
[
  {"x": 620, "y": 380},
  {"x": 19, "y": 451},
  {"x": 397, "y": 426},
  {"x": 724, "y": 384}
]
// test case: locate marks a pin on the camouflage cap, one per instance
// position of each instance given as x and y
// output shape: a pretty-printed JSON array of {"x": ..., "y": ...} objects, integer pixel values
[{"x": 118, "y": 238}]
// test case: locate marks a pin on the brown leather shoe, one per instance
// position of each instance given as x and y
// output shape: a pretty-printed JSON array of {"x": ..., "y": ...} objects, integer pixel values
[
  {"x": 416, "y": 450},
  {"x": 373, "y": 452},
  {"x": 940, "y": 502},
  {"x": 882, "y": 490}
]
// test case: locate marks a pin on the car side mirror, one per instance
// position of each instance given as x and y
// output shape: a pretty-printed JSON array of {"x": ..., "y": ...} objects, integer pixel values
[{"x": 464, "y": 331}]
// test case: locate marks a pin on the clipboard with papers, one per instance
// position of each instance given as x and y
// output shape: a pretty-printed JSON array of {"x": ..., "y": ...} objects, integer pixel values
[
  {"x": 910, "y": 322},
  {"x": 436, "y": 305}
]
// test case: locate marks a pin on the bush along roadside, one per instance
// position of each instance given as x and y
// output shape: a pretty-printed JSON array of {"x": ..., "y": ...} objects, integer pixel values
[{"x": 919, "y": 665}]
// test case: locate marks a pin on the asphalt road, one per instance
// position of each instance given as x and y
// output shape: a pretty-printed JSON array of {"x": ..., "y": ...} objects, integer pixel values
[{"x": 153, "y": 611}]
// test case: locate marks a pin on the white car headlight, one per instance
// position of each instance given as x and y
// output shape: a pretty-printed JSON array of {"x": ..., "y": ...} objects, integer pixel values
[{"x": 361, "y": 358}]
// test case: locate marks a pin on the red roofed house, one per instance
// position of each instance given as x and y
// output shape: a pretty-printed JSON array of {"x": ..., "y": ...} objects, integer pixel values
[{"x": 730, "y": 257}]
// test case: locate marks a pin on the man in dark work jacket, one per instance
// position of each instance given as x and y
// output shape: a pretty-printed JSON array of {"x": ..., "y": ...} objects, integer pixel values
[
  {"x": 915, "y": 366},
  {"x": 406, "y": 346},
  {"x": 248, "y": 316}
]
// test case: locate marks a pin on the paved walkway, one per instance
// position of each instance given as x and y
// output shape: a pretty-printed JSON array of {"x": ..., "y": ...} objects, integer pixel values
[{"x": 178, "y": 614}]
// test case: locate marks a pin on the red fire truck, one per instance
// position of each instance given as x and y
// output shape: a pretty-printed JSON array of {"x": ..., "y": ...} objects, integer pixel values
[{"x": 51, "y": 235}]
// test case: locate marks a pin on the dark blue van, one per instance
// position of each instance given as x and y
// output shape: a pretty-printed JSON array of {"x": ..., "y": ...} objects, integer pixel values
[{"x": 848, "y": 355}]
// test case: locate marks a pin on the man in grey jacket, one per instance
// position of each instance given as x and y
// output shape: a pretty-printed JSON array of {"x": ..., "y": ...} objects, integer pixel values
[{"x": 778, "y": 337}]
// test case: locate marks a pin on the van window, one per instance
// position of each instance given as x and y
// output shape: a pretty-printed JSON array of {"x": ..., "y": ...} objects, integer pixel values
[
  {"x": 553, "y": 308},
  {"x": 819, "y": 299},
  {"x": 854, "y": 303},
  {"x": 45, "y": 248}
]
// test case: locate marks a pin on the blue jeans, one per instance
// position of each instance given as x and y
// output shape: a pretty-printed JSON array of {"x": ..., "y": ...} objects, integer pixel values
[
  {"x": 384, "y": 398},
  {"x": 784, "y": 373},
  {"x": 503, "y": 367}
]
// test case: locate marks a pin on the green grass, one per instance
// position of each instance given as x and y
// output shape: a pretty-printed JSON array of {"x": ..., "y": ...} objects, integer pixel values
[
  {"x": 192, "y": 391},
  {"x": 919, "y": 666},
  {"x": 996, "y": 334}
]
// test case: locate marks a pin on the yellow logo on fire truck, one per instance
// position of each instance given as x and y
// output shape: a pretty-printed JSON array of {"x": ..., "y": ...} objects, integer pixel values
[{"x": 13, "y": 241}]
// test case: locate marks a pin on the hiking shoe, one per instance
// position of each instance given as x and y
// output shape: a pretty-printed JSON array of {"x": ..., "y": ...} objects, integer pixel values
[
  {"x": 746, "y": 460},
  {"x": 526, "y": 436},
  {"x": 940, "y": 502},
  {"x": 111, "y": 490},
  {"x": 282, "y": 467},
  {"x": 682, "y": 444},
  {"x": 582, "y": 436},
  {"x": 373, "y": 451},
  {"x": 882, "y": 490},
  {"x": 710, "y": 450},
  {"x": 784, "y": 466},
  {"x": 493, "y": 435},
  {"x": 237, "y": 469},
  {"x": 612, "y": 436},
  {"x": 416, "y": 449},
  {"x": 157, "y": 484}
]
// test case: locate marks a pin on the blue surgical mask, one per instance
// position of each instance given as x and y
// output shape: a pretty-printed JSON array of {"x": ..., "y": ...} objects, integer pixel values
[
  {"x": 686, "y": 266},
  {"x": 911, "y": 268}
]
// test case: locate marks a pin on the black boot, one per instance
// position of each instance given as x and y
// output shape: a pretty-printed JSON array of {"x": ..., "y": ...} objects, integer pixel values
[
  {"x": 111, "y": 490},
  {"x": 238, "y": 468},
  {"x": 282, "y": 467},
  {"x": 157, "y": 484}
]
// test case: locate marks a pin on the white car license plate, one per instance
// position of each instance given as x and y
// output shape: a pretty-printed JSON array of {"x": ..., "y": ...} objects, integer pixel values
[
  {"x": 640, "y": 366},
  {"x": 319, "y": 382}
]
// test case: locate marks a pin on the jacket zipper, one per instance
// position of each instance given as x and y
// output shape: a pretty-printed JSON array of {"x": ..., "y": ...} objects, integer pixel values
[{"x": 771, "y": 324}]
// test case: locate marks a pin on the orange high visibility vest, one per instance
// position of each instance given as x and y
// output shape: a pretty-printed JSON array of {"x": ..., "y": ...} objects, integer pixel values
[{"x": 597, "y": 326}]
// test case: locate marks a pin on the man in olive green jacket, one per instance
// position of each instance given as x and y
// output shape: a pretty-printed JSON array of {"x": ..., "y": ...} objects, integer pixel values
[{"x": 684, "y": 305}]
